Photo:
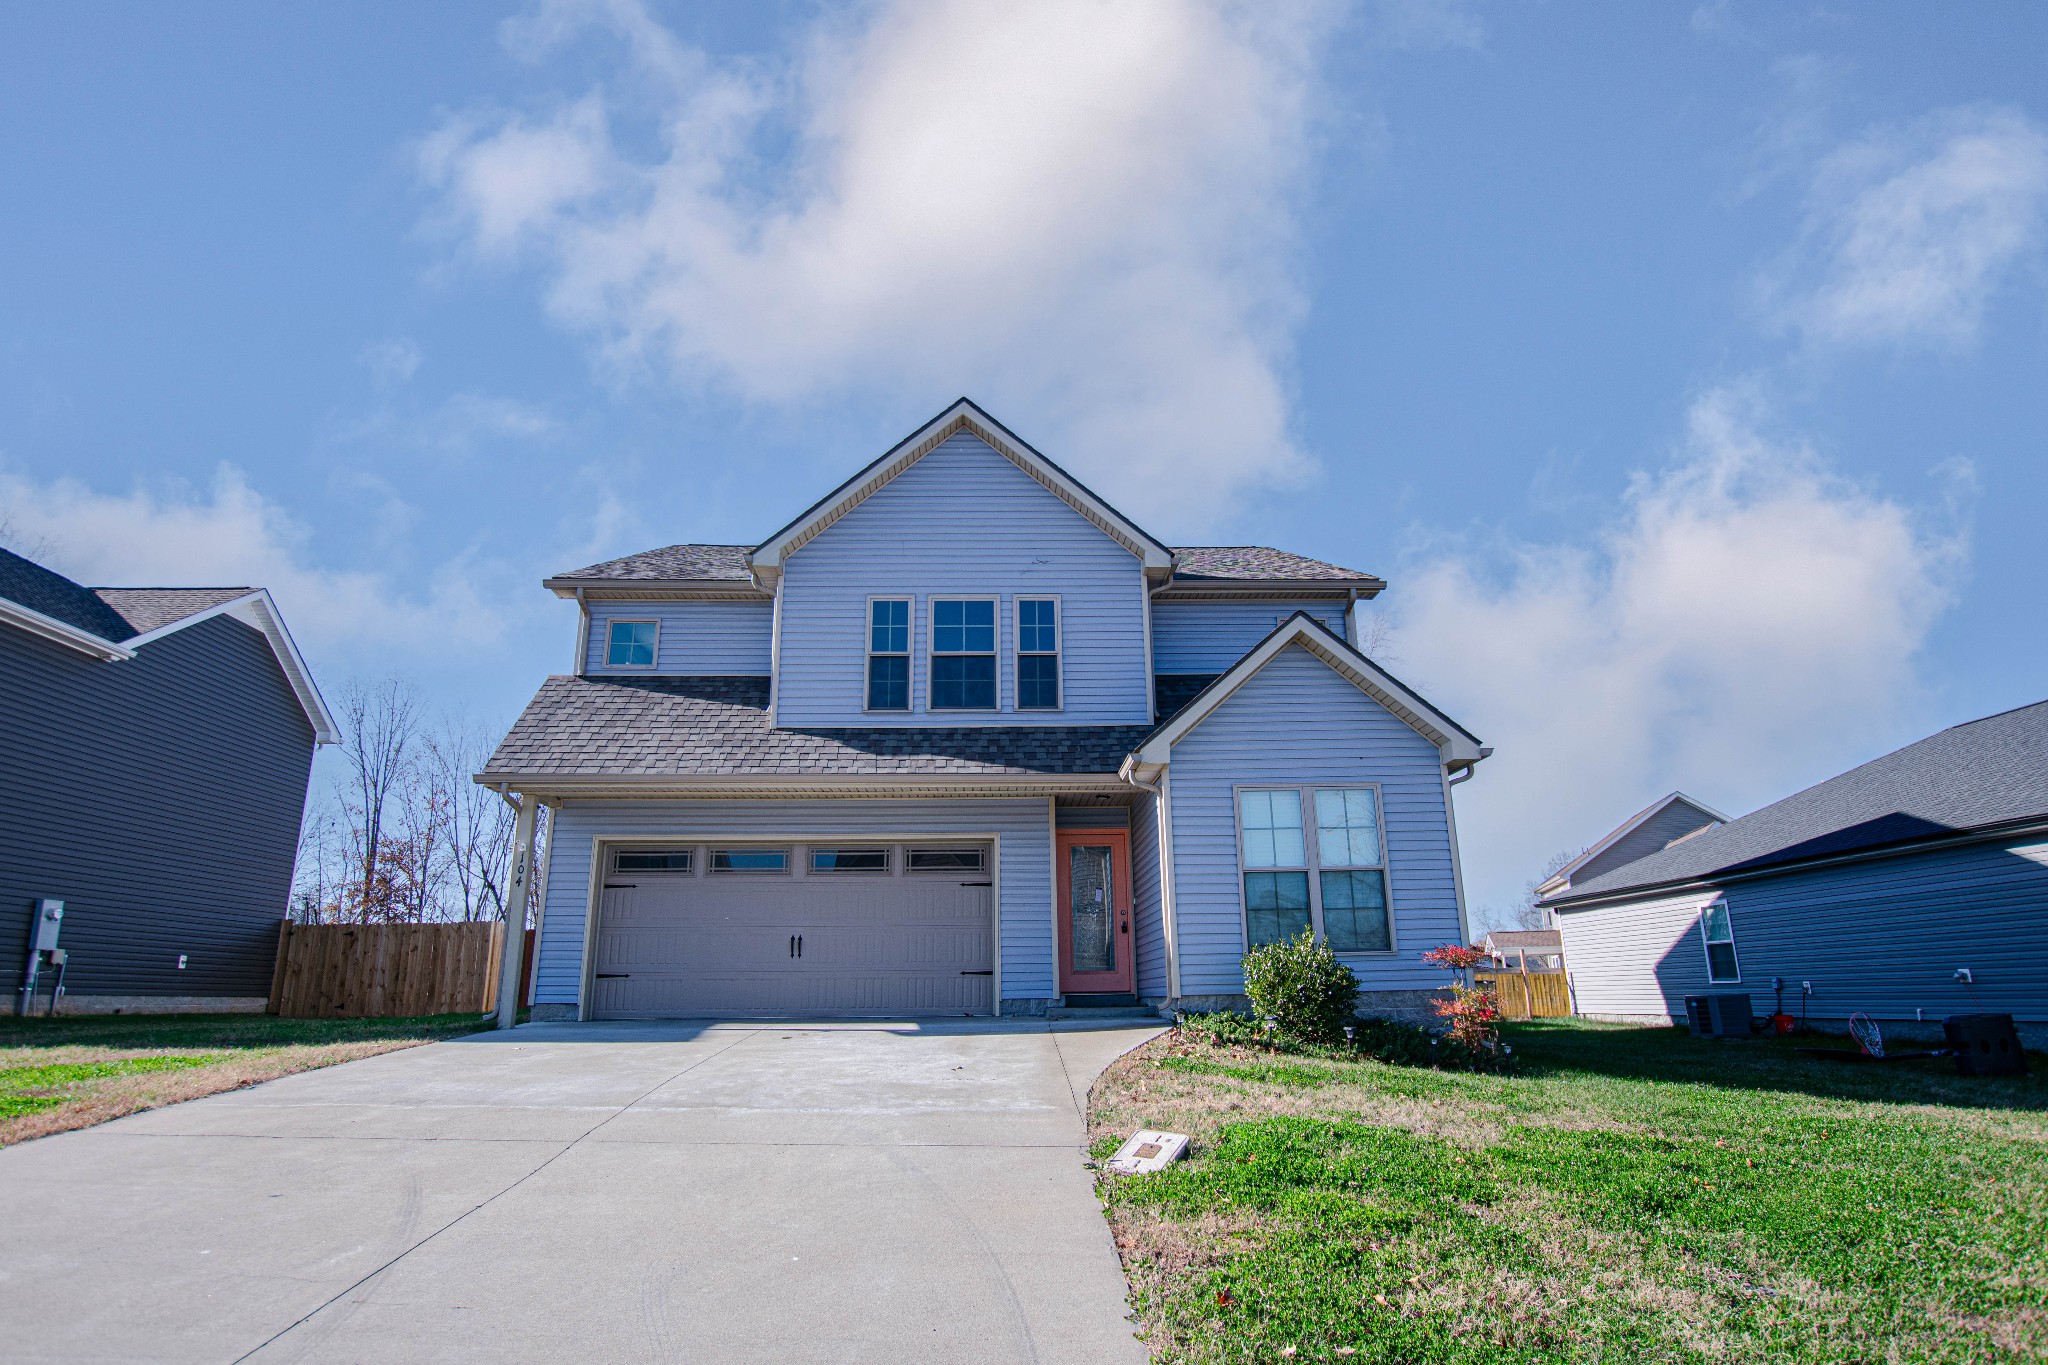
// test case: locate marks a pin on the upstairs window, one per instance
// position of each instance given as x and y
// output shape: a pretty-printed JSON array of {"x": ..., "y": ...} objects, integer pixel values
[
  {"x": 1718, "y": 931},
  {"x": 1038, "y": 654},
  {"x": 1334, "y": 882},
  {"x": 963, "y": 654},
  {"x": 630, "y": 644},
  {"x": 889, "y": 654}
]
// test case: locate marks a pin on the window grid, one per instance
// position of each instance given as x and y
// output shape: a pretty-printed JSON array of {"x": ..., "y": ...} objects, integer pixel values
[
  {"x": 631, "y": 643},
  {"x": 1717, "y": 935},
  {"x": 888, "y": 649},
  {"x": 1038, "y": 654},
  {"x": 963, "y": 661},
  {"x": 1334, "y": 882}
]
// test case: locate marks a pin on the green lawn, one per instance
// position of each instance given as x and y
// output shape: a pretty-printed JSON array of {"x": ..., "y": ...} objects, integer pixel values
[
  {"x": 78, "y": 1070},
  {"x": 1625, "y": 1195}
]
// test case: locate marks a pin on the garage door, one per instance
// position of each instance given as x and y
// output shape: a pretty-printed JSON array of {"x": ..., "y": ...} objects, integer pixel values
[{"x": 792, "y": 930}]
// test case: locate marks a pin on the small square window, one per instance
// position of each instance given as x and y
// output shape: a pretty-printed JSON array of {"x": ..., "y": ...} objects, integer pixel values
[
  {"x": 750, "y": 860},
  {"x": 964, "y": 627},
  {"x": 964, "y": 682},
  {"x": 630, "y": 644}
]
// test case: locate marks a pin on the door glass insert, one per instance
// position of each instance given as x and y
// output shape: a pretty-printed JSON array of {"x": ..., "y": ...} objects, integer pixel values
[{"x": 1090, "y": 908}]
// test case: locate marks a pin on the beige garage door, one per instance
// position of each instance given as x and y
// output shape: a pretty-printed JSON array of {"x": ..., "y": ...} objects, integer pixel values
[{"x": 774, "y": 931}]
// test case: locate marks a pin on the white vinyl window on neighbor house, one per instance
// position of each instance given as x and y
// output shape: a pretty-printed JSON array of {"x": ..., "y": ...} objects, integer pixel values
[
  {"x": 1717, "y": 932},
  {"x": 1329, "y": 875},
  {"x": 631, "y": 644}
]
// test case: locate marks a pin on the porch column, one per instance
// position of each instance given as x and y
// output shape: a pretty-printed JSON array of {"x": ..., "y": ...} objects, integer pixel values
[{"x": 517, "y": 893}]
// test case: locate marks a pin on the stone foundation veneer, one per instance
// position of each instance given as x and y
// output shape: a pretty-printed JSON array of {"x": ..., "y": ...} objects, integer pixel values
[
  {"x": 145, "y": 1004},
  {"x": 1406, "y": 1007}
]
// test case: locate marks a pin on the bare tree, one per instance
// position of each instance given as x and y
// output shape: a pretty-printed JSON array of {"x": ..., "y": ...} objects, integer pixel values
[
  {"x": 479, "y": 821},
  {"x": 379, "y": 727}
]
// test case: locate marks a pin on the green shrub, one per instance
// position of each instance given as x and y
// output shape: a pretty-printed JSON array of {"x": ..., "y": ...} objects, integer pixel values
[
  {"x": 1226, "y": 1028},
  {"x": 1301, "y": 986}
]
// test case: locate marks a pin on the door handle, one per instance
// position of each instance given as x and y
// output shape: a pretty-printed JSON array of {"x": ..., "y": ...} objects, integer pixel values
[
  {"x": 990, "y": 971},
  {"x": 792, "y": 945},
  {"x": 799, "y": 945},
  {"x": 977, "y": 883},
  {"x": 613, "y": 976}
]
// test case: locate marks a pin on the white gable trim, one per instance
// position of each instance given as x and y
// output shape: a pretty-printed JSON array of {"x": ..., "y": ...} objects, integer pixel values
[
  {"x": 256, "y": 609},
  {"x": 1562, "y": 878},
  {"x": 1458, "y": 747},
  {"x": 63, "y": 632},
  {"x": 962, "y": 417}
]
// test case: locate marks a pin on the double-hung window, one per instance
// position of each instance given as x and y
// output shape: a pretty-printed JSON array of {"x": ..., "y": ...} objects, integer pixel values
[
  {"x": 630, "y": 644},
  {"x": 1038, "y": 654},
  {"x": 963, "y": 654},
  {"x": 889, "y": 654},
  {"x": 1717, "y": 931},
  {"x": 1329, "y": 875}
]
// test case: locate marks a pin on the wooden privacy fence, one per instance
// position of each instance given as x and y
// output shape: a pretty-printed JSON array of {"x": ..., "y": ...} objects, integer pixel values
[
  {"x": 385, "y": 970},
  {"x": 1529, "y": 995}
]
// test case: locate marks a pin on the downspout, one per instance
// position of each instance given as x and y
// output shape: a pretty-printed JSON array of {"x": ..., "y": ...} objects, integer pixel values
[{"x": 1169, "y": 925}]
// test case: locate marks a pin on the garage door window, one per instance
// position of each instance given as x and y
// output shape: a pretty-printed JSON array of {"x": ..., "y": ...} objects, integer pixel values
[
  {"x": 946, "y": 860},
  {"x": 750, "y": 860},
  {"x": 849, "y": 860},
  {"x": 663, "y": 860}
]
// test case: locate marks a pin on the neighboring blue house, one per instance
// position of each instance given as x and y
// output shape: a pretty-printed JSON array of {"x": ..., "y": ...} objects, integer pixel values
[
  {"x": 962, "y": 739},
  {"x": 1910, "y": 888},
  {"x": 155, "y": 746}
]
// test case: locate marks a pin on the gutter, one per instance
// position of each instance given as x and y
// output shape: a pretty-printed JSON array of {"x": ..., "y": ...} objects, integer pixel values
[{"x": 64, "y": 633}]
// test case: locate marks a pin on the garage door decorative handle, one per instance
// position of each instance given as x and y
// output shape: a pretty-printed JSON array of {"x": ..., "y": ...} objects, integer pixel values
[
  {"x": 977, "y": 883},
  {"x": 613, "y": 976},
  {"x": 796, "y": 945},
  {"x": 987, "y": 971}
]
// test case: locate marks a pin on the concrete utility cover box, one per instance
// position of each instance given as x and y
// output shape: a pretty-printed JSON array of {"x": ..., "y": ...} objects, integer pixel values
[{"x": 1148, "y": 1151}]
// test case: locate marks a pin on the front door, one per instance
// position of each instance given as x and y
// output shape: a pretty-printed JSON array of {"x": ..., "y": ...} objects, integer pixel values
[{"x": 1095, "y": 912}]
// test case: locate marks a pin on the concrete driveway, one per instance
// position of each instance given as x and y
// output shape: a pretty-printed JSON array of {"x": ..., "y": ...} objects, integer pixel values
[{"x": 603, "y": 1192}]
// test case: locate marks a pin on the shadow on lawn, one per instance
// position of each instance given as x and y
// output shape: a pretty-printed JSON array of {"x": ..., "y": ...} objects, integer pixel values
[{"x": 1560, "y": 1049}]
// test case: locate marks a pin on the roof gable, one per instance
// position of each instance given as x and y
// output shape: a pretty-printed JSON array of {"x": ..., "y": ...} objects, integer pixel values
[
  {"x": 1458, "y": 746},
  {"x": 1670, "y": 812},
  {"x": 962, "y": 417}
]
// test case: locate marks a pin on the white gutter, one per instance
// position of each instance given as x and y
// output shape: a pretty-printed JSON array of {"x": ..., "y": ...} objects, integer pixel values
[{"x": 64, "y": 633}]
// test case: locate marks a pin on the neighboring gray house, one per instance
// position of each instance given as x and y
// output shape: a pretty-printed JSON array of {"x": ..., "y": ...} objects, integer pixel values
[
  {"x": 155, "y": 747},
  {"x": 1536, "y": 950},
  {"x": 962, "y": 739},
  {"x": 1910, "y": 888}
]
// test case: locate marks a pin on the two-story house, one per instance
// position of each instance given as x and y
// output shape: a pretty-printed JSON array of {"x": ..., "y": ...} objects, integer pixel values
[{"x": 963, "y": 739}]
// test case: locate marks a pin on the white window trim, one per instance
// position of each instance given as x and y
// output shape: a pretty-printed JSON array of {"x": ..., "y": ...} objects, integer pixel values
[
  {"x": 909, "y": 654},
  {"x": 1313, "y": 853},
  {"x": 1059, "y": 652},
  {"x": 611, "y": 621},
  {"x": 1707, "y": 944},
  {"x": 931, "y": 636}
]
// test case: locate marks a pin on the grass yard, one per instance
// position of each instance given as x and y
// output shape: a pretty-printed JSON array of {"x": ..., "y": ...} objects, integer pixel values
[
  {"x": 77, "y": 1070},
  {"x": 1627, "y": 1194}
]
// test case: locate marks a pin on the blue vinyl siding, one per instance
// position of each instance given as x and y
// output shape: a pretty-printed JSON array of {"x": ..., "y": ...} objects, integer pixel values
[
  {"x": 697, "y": 638},
  {"x": 1150, "y": 929},
  {"x": 1208, "y": 637},
  {"x": 1296, "y": 721},
  {"x": 1882, "y": 937},
  {"x": 963, "y": 521},
  {"x": 1023, "y": 827}
]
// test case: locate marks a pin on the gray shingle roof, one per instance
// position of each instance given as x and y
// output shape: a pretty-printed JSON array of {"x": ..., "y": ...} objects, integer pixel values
[
  {"x": 1526, "y": 938},
  {"x": 1197, "y": 563},
  {"x": 1239, "y": 563},
  {"x": 146, "y": 609},
  {"x": 29, "y": 584},
  {"x": 699, "y": 727},
  {"x": 1987, "y": 772},
  {"x": 675, "y": 563}
]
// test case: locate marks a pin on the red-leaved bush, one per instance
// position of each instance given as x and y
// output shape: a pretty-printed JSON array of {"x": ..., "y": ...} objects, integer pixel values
[
  {"x": 1459, "y": 957},
  {"x": 1472, "y": 1013}
]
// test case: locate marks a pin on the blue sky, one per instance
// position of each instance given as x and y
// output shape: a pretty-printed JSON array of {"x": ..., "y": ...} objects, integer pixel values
[{"x": 1682, "y": 369}]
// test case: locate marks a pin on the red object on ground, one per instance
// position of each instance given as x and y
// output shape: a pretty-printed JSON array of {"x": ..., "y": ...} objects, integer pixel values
[{"x": 1783, "y": 1023}]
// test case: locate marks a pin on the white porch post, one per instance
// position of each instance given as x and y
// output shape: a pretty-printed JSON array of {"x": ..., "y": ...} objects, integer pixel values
[{"x": 517, "y": 893}]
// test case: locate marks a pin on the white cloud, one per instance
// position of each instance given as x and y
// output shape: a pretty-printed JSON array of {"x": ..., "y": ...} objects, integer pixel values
[
  {"x": 1910, "y": 229},
  {"x": 229, "y": 536},
  {"x": 1082, "y": 212},
  {"x": 1748, "y": 624},
  {"x": 392, "y": 362}
]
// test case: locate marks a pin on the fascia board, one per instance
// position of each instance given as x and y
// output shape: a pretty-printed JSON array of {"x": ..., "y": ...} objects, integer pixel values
[
  {"x": 1262, "y": 589},
  {"x": 657, "y": 589},
  {"x": 963, "y": 415},
  {"x": 1453, "y": 742},
  {"x": 636, "y": 786},
  {"x": 255, "y": 608},
  {"x": 63, "y": 632}
]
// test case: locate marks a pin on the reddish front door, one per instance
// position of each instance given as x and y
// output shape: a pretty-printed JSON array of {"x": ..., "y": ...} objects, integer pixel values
[{"x": 1095, "y": 911}]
